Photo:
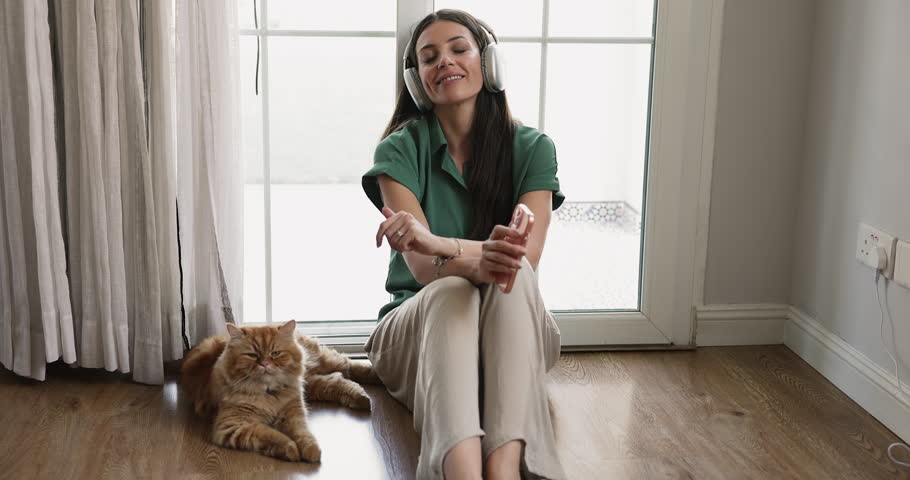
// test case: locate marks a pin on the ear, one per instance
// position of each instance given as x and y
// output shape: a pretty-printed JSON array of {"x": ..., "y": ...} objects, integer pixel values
[
  {"x": 234, "y": 331},
  {"x": 288, "y": 328}
]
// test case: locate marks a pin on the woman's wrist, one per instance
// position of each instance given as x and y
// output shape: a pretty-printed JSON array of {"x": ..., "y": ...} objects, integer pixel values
[
  {"x": 447, "y": 247},
  {"x": 441, "y": 260},
  {"x": 474, "y": 271}
]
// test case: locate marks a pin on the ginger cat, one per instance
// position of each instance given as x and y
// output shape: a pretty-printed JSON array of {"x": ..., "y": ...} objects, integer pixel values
[{"x": 252, "y": 381}]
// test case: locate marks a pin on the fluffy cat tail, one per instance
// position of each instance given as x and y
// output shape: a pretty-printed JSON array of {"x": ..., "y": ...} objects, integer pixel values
[{"x": 196, "y": 373}]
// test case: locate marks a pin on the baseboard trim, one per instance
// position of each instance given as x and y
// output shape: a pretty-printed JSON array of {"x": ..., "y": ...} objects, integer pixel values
[
  {"x": 865, "y": 382},
  {"x": 871, "y": 386},
  {"x": 755, "y": 324}
]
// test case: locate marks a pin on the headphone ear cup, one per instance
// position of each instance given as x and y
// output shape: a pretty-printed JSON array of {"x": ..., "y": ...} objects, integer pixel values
[
  {"x": 418, "y": 94},
  {"x": 494, "y": 68}
]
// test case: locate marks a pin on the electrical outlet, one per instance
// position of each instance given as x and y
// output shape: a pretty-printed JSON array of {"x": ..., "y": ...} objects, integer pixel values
[
  {"x": 902, "y": 263},
  {"x": 867, "y": 240}
]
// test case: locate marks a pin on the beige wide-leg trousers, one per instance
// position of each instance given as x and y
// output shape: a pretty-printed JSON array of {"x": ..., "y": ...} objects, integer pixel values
[{"x": 471, "y": 361}]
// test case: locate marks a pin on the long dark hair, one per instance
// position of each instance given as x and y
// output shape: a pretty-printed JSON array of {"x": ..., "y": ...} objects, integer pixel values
[{"x": 492, "y": 132}]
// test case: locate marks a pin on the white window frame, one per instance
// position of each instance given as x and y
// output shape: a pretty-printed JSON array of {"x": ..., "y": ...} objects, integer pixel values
[{"x": 680, "y": 159}]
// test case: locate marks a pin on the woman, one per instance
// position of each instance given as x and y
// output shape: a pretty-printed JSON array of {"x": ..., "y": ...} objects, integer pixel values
[{"x": 467, "y": 359}]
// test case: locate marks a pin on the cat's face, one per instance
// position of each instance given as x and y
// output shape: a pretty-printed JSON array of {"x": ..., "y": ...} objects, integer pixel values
[{"x": 263, "y": 352}]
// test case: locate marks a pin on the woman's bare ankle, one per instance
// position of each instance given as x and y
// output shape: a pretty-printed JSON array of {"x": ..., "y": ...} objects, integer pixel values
[
  {"x": 464, "y": 461},
  {"x": 504, "y": 462}
]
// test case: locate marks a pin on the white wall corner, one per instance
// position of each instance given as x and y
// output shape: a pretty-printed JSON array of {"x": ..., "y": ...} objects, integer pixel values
[
  {"x": 747, "y": 324},
  {"x": 708, "y": 145},
  {"x": 865, "y": 382}
]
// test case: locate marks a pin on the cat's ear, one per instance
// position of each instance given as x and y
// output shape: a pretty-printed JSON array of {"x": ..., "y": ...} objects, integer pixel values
[
  {"x": 288, "y": 328},
  {"x": 234, "y": 331}
]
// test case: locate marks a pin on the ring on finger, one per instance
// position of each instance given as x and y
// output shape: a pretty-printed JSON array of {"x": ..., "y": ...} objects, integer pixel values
[{"x": 399, "y": 234}]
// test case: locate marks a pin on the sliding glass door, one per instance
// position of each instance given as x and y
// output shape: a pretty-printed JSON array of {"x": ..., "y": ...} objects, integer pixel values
[{"x": 599, "y": 77}]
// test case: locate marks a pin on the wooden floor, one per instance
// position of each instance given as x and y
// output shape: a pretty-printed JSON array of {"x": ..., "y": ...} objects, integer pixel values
[{"x": 725, "y": 413}]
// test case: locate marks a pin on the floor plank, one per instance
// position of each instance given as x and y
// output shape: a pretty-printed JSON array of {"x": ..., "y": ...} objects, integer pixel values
[{"x": 725, "y": 413}]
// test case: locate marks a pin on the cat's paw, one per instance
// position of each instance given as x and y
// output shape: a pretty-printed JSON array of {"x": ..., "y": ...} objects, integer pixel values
[
  {"x": 285, "y": 451},
  {"x": 309, "y": 450},
  {"x": 360, "y": 401},
  {"x": 363, "y": 373}
]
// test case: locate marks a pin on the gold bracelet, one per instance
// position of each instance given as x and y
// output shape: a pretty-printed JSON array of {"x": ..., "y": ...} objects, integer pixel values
[
  {"x": 460, "y": 250},
  {"x": 440, "y": 261}
]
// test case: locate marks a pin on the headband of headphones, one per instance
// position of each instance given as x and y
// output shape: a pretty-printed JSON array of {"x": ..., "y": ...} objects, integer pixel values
[{"x": 491, "y": 39}]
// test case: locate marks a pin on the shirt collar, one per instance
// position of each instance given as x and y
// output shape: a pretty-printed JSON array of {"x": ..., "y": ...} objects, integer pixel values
[
  {"x": 439, "y": 148},
  {"x": 437, "y": 137}
]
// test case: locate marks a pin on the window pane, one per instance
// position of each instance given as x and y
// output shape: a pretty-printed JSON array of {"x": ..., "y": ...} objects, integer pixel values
[
  {"x": 245, "y": 13},
  {"x": 599, "y": 109},
  {"x": 253, "y": 254},
  {"x": 325, "y": 264},
  {"x": 330, "y": 99},
  {"x": 506, "y": 17},
  {"x": 523, "y": 80},
  {"x": 597, "y": 116},
  {"x": 356, "y": 15},
  {"x": 250, "y": 110},
  {"x": 254, "y": 219},
  {"x": 601, "y": 18}
]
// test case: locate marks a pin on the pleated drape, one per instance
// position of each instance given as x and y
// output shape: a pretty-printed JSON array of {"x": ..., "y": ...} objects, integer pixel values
[
  {"x": 120, "y": 188},
  {"x": 160, "y": 87},
  {"x": 211, "y": 171},
  {"x": 36, "y": 323},
  {"x": 90, "y": 268}
]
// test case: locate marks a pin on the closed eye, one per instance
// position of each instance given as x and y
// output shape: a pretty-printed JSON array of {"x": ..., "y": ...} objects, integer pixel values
[
  {"x": 433, "y": 58},
  {"x": 250, "y": 355}
]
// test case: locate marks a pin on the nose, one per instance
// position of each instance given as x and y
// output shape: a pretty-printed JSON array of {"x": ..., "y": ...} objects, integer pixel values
[
  {"x": 264, "y": 364},
  {"x": 444, "y": 59}
]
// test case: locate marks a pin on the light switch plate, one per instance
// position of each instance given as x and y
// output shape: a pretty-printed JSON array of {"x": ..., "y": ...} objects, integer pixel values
[
  {"x": 902, "y": 263},
  {"x": 867, "y": 239}
]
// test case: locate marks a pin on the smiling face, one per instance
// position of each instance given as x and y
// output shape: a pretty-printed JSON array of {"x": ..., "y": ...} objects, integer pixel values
[{"x": 449, "y": 63}]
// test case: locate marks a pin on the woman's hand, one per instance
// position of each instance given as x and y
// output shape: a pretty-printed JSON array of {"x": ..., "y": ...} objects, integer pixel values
[
  {"x": 405, "y": 233},
  {"x": 499, "y": 257}
]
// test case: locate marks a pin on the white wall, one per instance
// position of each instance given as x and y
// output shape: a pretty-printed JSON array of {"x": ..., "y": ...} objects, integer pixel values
[
  {"x": 813, "y": 137},
  {"x": 759, "y": 144},
  {"x": 857, "y": 168}
]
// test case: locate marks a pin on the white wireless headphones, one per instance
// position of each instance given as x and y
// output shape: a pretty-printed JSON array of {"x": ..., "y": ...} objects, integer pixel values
[{"x": 492, "y": 64}]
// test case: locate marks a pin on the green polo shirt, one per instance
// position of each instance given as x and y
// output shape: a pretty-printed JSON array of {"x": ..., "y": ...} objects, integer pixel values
[{"x": 416, "y": 157}]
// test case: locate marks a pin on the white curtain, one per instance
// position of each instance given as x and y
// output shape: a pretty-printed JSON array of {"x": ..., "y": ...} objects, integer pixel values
[
  {"x": 36, "y": 324},
  {"x": 120, "y": 186},
  {"x": 120, "y": 103},
  {"x": 209, "y": 162},
  {"x": 160, "y": 87}
]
